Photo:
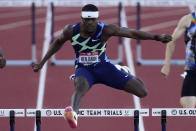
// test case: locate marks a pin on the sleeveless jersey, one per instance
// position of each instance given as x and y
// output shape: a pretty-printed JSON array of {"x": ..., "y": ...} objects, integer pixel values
[
  {"x": 89, "y": 51},
  {"x": 190, "y": 41}
]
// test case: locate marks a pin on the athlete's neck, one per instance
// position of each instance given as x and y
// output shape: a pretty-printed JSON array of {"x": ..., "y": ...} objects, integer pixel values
[{"x": 84, "y": 33}]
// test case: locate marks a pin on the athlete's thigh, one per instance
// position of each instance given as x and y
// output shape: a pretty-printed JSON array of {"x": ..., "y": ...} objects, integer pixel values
[
  {"x": 109, "y": 75},
  {"x": 82, "y": 74},
  {"x": 188, "y": 101},
  {"x": 136, "y": 87}
]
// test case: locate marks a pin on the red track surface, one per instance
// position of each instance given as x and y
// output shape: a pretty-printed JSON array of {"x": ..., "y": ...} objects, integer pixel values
[{"x": 19, "y": 85}]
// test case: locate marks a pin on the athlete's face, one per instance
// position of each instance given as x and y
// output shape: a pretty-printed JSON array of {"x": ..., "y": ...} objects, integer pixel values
[{"x": 90, "y": 25}]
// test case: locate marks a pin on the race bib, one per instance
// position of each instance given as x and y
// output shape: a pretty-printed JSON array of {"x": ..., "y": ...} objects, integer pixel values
[{"x": 88, "y": 58}]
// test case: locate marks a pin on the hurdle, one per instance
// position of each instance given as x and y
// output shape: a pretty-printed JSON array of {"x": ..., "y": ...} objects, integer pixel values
[
  {"x": 136, "y": 113},
  {"x": 12, "y": 113},
  {"x": 33, "y": 43},
  {"x": 153, "y": 62},
  {"x": 171, "y": 112},
  {"x": 118, "y": 60},
  {"x": 38, "y": 120}
]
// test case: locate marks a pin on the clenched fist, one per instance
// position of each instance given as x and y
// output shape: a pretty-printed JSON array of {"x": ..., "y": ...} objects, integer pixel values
[
  {"x": 164, "y": 38},
  {"x": 165, "y": 70},
  {"x": 36, "y": 67}
]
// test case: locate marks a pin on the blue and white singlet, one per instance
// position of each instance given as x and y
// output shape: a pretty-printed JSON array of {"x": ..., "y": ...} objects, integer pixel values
[
  {"x": 190, "y": 41},
  {"x": 89, "y": 51}
]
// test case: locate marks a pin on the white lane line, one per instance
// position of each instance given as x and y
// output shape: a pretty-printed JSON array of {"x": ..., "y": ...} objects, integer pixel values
[
  {"x": 26, "y": 12},
  {"x": 159, "y": 14},
  {"x": 42, "y": 20},
  {"x": 150, "y": 15},
  {"x": 40, "y": 97},
  {"x": 75, "y": 15},
  {"x": 160, "y": 25},
  {"x": 20, "y": 24},
  {"x": 129, "y": 58}
]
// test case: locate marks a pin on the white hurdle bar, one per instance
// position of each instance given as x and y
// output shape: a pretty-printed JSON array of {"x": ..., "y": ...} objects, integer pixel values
[
  {"x": 174, "y": 111},
  {"x": 136, "y": 113},
  {"x": 89, "y": 112},
  {"x": 17, "y": 112},
  {"x": 102, "y": 112}
]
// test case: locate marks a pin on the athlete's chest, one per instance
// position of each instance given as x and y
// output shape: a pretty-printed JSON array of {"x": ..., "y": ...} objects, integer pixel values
[{"x": 89, "y": 41}]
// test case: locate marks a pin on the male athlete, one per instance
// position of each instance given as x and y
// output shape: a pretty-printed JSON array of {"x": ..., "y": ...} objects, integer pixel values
[
  {"x": 186, "y": 27},
  {"x": 89, "y": 39},
  {"x": 2, "y": 59}
]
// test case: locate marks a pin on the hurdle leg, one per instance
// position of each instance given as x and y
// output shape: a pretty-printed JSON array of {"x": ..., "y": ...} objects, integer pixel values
[
  {"x": 163, "y": 120},
  {"x": 33, "y": 51},
  {"x": 38, "y": 120},
  {"x": 12, "y": 120},
  {"x": 136, "y": 120}
]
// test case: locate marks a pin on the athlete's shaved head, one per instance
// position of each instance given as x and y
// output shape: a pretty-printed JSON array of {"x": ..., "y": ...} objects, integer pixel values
[{"x": 90, "y": 7}]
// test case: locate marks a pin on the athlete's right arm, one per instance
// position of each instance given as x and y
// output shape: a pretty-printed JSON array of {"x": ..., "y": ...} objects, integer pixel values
[
  {"x": 178, "y": 32},
  {"x": 55, "y": 46}
]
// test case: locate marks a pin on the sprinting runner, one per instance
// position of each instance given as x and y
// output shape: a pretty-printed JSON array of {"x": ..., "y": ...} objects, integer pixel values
[
  {"x": 89, "y": 39},
  {"x": 186, "y": 27}
]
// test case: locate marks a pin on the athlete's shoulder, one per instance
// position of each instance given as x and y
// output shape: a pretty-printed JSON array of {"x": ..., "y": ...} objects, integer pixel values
[
  {"x": 110, "y": 26},
  {"x": 186, "y": 20},
  {"x": 69, "y": 27},
  {"x": 110, "y": 29},
  {"x": 66, "y": 33},
  {"x": 187, "y": 17}
]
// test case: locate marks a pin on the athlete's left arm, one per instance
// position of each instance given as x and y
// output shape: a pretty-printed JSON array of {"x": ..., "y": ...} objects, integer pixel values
[{"x": 114, "y": 30}]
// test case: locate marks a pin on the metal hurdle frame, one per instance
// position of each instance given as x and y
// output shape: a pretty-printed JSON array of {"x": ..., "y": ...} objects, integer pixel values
[
  {"x": 33, "y": 50},
  {"x": 119, "y": 60},
  {"x": 12, "y": 120},
  {"x": 172, "y": 112},
  {"x": 12, "y": 113},
  {"x": 150, "y": 62},
  {"x": 136, "y": 113},
  {"x": 38, "y": 120},
  {"x": 99, "y": 112}
]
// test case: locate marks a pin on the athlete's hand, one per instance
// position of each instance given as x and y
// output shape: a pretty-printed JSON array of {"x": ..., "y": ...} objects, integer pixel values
[
  {"x": 165, "y": 70},
  {"x": 2, "y": 62},
  {"x": 164, "y": 38},
  {"x": 36, "y": 67}
]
